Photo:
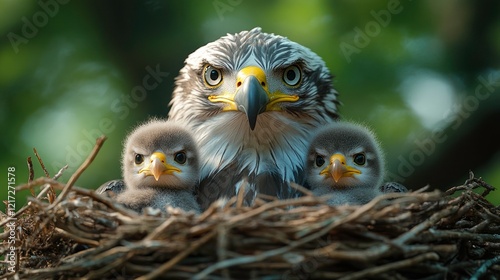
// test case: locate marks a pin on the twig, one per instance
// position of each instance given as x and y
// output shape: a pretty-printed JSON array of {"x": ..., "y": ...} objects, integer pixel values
[
  {"x": 271, "y": 205},
  {"x": 41, "y": 163},
  {"x": 222, "y": 246},
  {"x": 103, "y": 199},
  {"x": 44, "y": 191},
  {"x": 79, "y": 171},
  {"x": 241, "y": 193},
  {"x": 78, "y": 239},
  {"x": 86, "y": 192},
  {"x": 100, "y": 272},
  {"x": 472, "y": 183},
  {"x": 60, "y": 172},
  {"x": 424, "y": 225},
  {"x": 31, "y": 175},
  {"x": 50, "y": 183},
  {"x": 166, "y": 266},
  {"x": 157, "y": 231},
  {"x": 242, "y": 260},
  {"x": 373, "y": 253},
  {"x": 483, "y": 269},
  {"x": 423, "y": 189},
  {"x": 301, "y": 189},
  {"x": 31, "y": 172},
  {"x": 38, "y": 182},
  {"x": 433, "y": 235},
  {"x": 391, "y": 266}
]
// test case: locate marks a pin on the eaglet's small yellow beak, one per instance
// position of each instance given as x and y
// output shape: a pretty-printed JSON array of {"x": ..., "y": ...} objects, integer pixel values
[
  {"x": 252, "y": 95},
  {"x": 338, "y": 168},
  {"x": 158, "y": 166}
]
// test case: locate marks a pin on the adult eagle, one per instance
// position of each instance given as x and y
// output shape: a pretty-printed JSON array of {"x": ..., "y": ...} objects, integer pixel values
[{"x": 252, "y": 100}]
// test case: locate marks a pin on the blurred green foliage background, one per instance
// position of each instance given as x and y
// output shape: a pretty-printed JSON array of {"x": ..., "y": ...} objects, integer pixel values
[{"x": 425, "y": 75}]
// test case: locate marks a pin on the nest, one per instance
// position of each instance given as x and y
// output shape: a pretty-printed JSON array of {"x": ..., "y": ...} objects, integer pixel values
[{"x": 417, "y": 235}]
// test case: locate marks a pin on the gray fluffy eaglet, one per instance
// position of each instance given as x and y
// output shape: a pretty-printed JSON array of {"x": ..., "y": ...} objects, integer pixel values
[
  {"x": 253, "y": 99},
  {"x": 160, "y": 168},
  {"x": 345, "y": 160}
]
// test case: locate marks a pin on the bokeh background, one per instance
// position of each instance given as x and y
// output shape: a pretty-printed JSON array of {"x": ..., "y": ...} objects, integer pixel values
[{"x": 425, "y": 75}]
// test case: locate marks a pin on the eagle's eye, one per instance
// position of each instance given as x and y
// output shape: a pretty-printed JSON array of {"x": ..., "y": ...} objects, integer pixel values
[
  {"x": 138, "y": 159},
  {"x": 180, "y": 157},
  {"x": 212, "y": 76},
  {"x": 359, "y": 159},
  {"x": 319, "y": 161},
  {"x": 292, "y": 76}
]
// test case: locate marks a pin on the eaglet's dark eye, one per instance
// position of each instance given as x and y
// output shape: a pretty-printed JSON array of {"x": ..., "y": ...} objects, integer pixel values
[
  {"x": 359, "y": 159},
  {"x": 180, "y": 157},
  {"x": 319, "y": 161},
  {"x": 212, "y": 76},
  {"x": 292, "y": 75},
  {"x": 138, "y": 159}
]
